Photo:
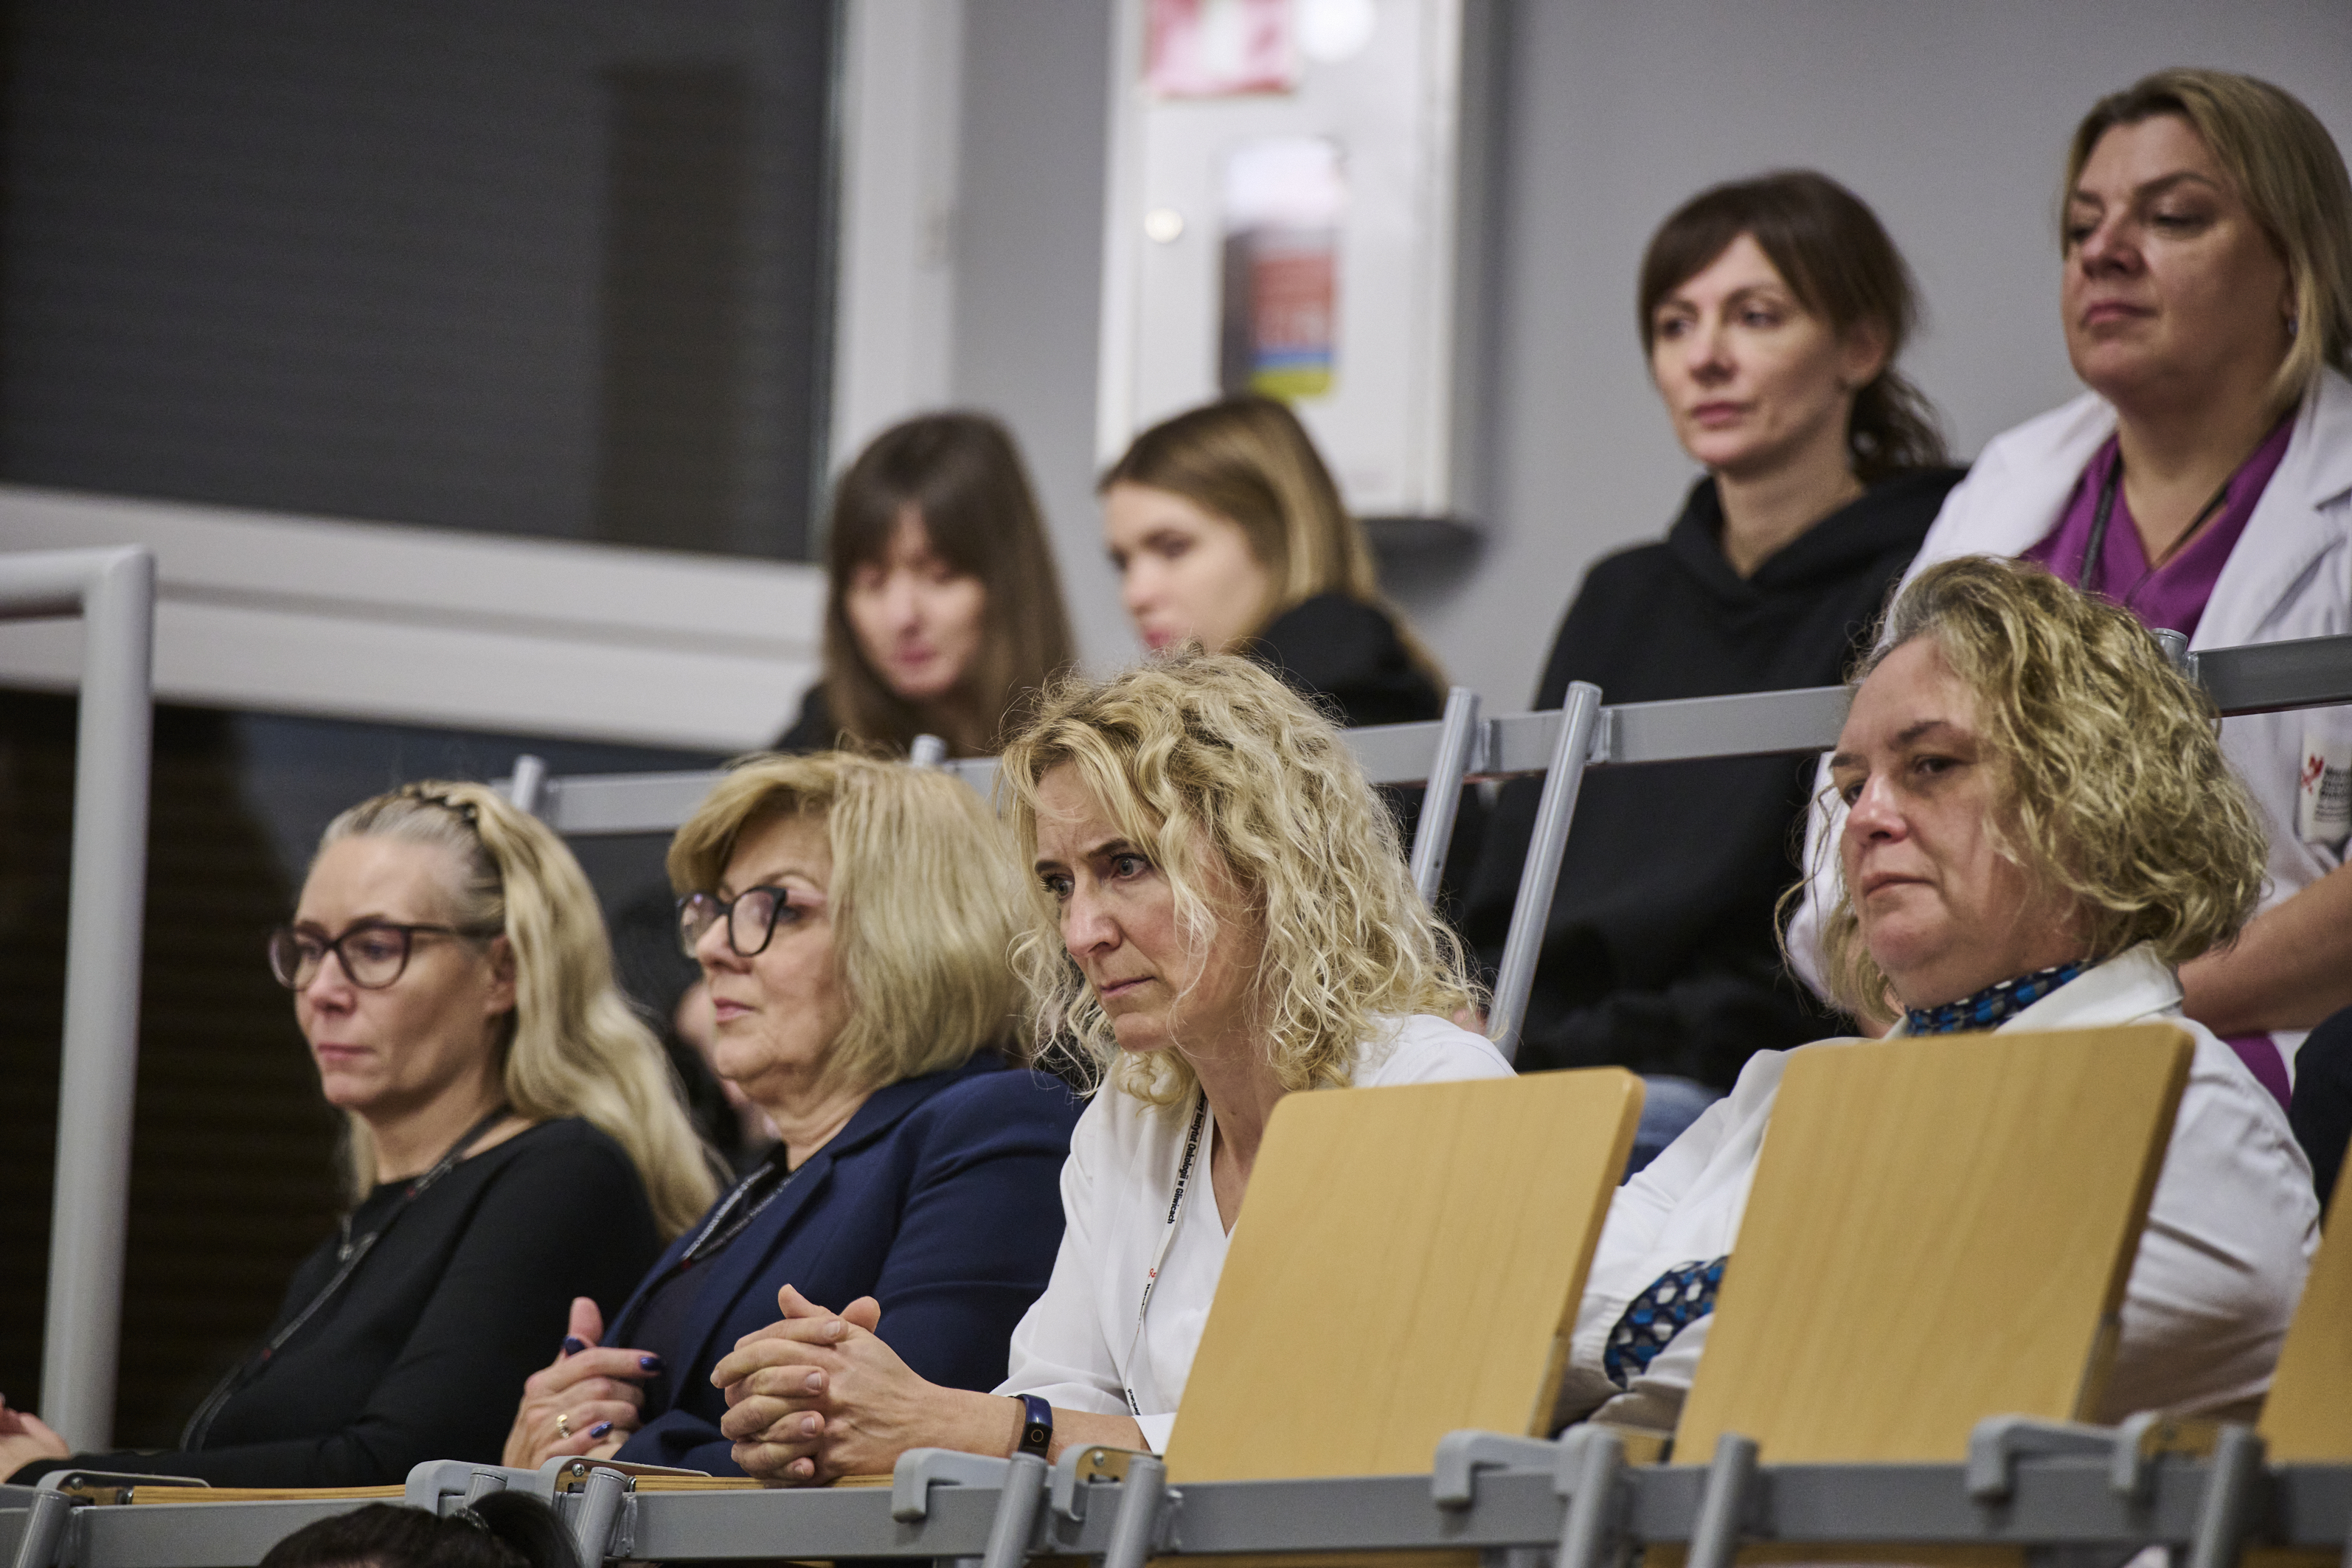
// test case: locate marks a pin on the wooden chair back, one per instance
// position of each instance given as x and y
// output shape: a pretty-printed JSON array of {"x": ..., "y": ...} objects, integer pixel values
[
  {"x": 1408, "y": 1261},
  {"x": 2307, "y": 1419},
  {"x": 1939, "y": 1230}
]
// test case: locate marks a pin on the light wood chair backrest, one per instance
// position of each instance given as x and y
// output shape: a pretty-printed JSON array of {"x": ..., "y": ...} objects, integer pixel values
[
  {"x": 1939, "y": 1230},
  {"x": 2307, "y": 1418},
  {"x": 1407, "y": 1262}
]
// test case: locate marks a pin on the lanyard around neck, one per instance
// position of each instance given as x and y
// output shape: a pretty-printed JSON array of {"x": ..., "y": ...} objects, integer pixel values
[
  {"x": 349, "y": 1255},
  {"x": 1167, "y": 1239},
  {"x": 2093, "y": 572}
]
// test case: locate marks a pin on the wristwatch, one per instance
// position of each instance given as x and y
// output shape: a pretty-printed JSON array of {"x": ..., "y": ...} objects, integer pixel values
[{"x": 1036, "y": 1426}]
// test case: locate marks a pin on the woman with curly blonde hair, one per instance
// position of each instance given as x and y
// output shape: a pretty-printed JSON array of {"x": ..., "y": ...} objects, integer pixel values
[
  {"x": 1222, "y": 917},
  {"x": 2040, "y": 829}
]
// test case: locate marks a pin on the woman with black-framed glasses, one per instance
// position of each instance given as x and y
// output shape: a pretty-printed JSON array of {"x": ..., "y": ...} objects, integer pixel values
[
  {"x": 516, "y": 1146},
  {"x": 853, "y": 918}
]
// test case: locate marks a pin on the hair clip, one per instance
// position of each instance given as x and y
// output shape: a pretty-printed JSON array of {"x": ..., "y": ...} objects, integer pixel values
[
  {"x": 466, "y": 1515},
  {"x": 463, "y": 809}
]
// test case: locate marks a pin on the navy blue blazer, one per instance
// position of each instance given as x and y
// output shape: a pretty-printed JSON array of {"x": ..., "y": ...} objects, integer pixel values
[{"x": 941, "y": 1199}]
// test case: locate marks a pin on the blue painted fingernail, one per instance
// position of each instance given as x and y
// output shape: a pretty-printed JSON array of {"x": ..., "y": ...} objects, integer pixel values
[
  {"x": 599, "y": 1429},
  {"x": 573, "y": 1344},
  {"x": 650, "y": 1362}
]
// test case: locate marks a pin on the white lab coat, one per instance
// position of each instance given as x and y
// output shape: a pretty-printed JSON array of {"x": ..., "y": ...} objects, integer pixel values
[
  {"x": 1077, "y": 1346},
  {"x": 2230, "y": 1234},
  {"x": 2290, "y": 577}
]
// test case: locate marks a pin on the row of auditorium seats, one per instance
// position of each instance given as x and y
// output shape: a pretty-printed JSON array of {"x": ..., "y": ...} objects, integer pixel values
[
  {"x": 1351, "y": 1395},
  {"x": 1354, "y": 1262}
]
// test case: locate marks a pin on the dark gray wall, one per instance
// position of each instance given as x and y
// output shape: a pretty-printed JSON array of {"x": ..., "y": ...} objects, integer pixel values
[{"x": 423, "y": 262}]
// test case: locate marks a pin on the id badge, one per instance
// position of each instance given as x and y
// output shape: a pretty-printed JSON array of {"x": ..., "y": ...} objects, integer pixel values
[{"x": 2322, "y": 807}]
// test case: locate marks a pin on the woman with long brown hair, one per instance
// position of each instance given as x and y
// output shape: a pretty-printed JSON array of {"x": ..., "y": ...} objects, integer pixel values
[{"x": 942, "y": 607}]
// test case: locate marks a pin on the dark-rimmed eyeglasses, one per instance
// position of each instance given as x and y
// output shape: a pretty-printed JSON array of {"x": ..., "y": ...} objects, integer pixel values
[
  {"x": 374, "y": 954},
  {"x": 751, "y": 916}
]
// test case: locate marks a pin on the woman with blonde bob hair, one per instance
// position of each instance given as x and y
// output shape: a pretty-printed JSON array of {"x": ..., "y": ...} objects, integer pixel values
[
  {"x": 2204, "y": 481},
  {"x": 1221, "y": 916},
  {"x": 516, "y": 1146},
  {"x": 851, "y": 917},
  {"x": 2040, "y": 829}
]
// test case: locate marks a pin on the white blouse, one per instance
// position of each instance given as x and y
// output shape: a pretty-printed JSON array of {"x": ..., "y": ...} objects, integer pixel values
[
  {"x": 2229, "y": 1232},
  {"x": 1079, "y": 1346}
]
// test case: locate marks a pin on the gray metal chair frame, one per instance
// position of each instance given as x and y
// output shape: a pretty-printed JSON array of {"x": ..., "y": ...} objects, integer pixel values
[{"x": 2025, "y": 1484}]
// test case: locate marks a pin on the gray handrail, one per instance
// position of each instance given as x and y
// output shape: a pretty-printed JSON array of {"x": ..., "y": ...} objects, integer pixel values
[
  {"x": 113, "y": 592},
  {"x": 2261, "y": 678},
  {"x": 1449, "y": 764},
  {"x": 1539, "y": 873}
]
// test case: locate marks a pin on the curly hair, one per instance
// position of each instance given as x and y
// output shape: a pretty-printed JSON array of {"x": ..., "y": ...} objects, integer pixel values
[
  {"x": 1225, "y": 777},
  {"x": 924, "y": 901},
  {"x": 2109, "y": 778},
  {"x": 572, "y": 1046}
]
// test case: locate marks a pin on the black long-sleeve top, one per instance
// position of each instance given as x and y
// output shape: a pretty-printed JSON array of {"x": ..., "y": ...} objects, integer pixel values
[
  {"x": 1662, "y": 952},
  {"x": 421, "y": 1353}
]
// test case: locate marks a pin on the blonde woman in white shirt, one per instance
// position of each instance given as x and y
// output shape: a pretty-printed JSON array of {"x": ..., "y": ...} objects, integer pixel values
[
  {"x": 1224, "y": 918},
  {"x": 2040, "y": 829}
]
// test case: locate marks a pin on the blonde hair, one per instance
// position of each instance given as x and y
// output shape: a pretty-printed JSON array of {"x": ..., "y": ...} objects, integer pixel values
[
  {"x": 572, "y": 1046},
  {"x": 2110, "y": 786},
  {"x": 1249, "y": 460},
  {"x": 2290, "y": 173},
  {"x": 924, "y": 901},
  {"x": 1217, "y": 770}
]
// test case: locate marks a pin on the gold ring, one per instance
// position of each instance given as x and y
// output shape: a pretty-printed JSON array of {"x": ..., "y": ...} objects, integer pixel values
[{"x": 563, "y": 1426}]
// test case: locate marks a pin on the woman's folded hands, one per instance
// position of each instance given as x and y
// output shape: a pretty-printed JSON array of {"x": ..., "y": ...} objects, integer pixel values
[{"x": 583, "y": 1404}]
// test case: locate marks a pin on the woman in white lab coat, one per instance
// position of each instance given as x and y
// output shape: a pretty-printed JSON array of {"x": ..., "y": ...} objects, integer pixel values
[
  {"x": 2205, "y": 481},
  {"x": 2040, "y": 832}
]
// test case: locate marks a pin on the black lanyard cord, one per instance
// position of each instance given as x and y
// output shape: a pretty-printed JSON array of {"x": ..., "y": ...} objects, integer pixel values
[
  {"x": 349, "y": 1255},
  {"x": 2091, "y": 577}
]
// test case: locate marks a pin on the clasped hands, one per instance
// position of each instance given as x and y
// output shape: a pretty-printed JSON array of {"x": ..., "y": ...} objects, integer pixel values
[
  {"x": 585, "y": 1403},
  {"x": 818, "y": 1396}
]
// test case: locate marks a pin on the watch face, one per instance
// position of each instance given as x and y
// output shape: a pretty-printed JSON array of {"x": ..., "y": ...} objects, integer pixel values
[{"x": 1035, "y": 1437}]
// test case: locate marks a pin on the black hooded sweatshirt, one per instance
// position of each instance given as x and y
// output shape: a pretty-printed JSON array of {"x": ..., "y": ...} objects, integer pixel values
[{"x": 1661, "y": 954}]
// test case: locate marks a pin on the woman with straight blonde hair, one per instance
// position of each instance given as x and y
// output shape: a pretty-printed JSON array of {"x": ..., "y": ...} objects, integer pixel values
[
  {"x": 1228, "y": 532},
  {"x": 2204, "y": 482},
  {"x": 1221, "y": 916},
  {"x": 851, "y": 917},
  {"x": 517, "y": 1149}
]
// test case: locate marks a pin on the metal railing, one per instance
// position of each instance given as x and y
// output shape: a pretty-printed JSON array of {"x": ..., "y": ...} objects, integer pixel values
[
  {"x": 113, "y": 592},
  {"x": 1560, "y": 743},
  {"x": 2023, "y": 1484}
]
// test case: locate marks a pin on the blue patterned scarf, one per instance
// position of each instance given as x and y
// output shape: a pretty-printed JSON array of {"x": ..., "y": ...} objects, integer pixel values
[{"x": 1990, "y": 1008}]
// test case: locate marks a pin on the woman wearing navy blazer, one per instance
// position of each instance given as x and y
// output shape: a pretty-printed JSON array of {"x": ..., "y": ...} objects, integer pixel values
[{"x": 853, "y": 918}]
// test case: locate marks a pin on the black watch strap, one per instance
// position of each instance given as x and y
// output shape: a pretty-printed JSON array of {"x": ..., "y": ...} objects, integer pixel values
[{"x": 1036, "y": 1426}]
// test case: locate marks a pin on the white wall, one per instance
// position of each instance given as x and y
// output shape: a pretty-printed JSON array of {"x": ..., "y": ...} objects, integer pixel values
[
  {"x": 1950, "y": 119},
  {"x": 1029, "y": 269}
]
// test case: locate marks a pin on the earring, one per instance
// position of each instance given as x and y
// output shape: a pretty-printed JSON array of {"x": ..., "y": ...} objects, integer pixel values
[{"x": 2294, "y": 326}]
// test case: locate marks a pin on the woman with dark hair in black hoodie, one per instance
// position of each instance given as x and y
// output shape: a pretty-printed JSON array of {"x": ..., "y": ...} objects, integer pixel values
[{"x": 1773, "y": 311}]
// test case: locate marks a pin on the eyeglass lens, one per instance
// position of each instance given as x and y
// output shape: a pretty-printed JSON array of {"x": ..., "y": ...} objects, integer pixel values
[
  {"x": 750, "y": 918},
  {"x": 373, "y": 956}
]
